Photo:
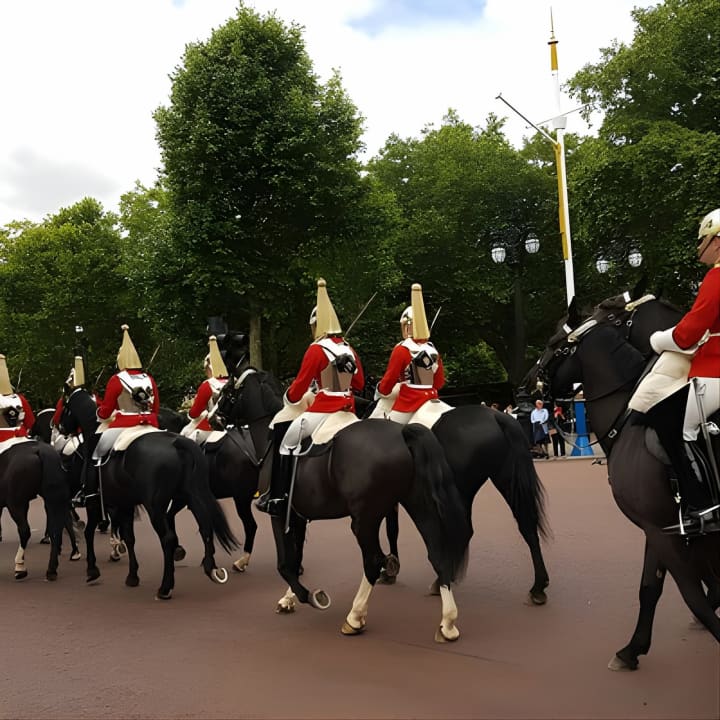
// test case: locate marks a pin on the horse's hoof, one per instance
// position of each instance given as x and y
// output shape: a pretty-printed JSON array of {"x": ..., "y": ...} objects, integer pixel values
[
  {"x": 114, "y": 555},
  {"x": 240, "y": 565},
  {"x": 319, "y": 599},
  {"x": 392, "y": 566},
  {"x": 537, "y": 597},
  {"x": 51, "y": 576},
  {"x": 45, "y": 540},
  {"x": 132, "y": 580},
  {"x": 385, "y": 579},
  {"x": 348, "y": 629},
  {"x": 80, "y": 525},
  {"x": 281, "y": 609},
  {"x": 441, "y": 636},
  {"x": 75, "y": 555},
  {"x": 21, "y": 574},
  {"x": 122, "y": 547},
  {"x": 617, "y": 664},
  {"x": 163, "y": 596},
  {"x": 92, "y": 576},
  {"x": 179, "y": 553},
  {"x": 434, "y": 589},
  {"x": 219, "y": 575}
]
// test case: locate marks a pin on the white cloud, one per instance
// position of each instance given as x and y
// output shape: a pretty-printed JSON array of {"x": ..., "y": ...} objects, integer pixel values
[{"x": 82, "y": 78}]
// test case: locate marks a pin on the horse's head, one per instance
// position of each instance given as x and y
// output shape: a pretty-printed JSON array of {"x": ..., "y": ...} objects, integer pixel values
[
  {"x": 79, "y": 412},
  {"x": 637, "y": 319},
  {"x": 252, "y": 395}
]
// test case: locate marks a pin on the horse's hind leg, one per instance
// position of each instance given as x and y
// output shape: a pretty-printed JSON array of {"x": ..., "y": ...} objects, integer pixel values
[
  {"x": 243, "y": 505},
  {"x": 169, "y": 541},
  {"x": 126, "y": 530},
  {"x": 70, "y": 528},
  {"x": 391, "y": 564},
  {"x": 527, "y": 522},
  {"x": 175, "y": 507},
  {"x": 366, "y": 533},
  {"x": 93, "y": 517},
  {"x": 19, "y": 515}
]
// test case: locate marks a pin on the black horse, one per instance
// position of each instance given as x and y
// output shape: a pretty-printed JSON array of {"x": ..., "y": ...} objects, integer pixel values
[
  {"x": 42, "y": 430},
  {"x": 481, "y": 443},
  {"x": 27, "y": 469},
  {"x": 366, "y": 469},
  {"x": 154, "y": 470},
  {"x": 237, "y": 460},
  {"x": 598, "y": 353}
]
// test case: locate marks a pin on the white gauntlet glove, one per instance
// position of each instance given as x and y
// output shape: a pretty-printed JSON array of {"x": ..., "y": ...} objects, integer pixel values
[{"x": 662, "y": 341}]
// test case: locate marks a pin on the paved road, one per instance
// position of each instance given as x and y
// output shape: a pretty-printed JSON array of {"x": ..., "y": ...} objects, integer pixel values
[{"x": 72, "y": 651}]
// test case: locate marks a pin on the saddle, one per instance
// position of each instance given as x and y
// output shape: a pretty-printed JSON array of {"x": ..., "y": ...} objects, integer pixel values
[
  {"x": 5, "y": 445},
  {"x": 117, "y": 440},
  {"x": 332, "y": 426}
]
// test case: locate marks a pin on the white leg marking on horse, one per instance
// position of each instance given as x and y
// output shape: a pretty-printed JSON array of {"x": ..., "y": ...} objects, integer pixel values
[
  {"x": 449, "y": 614},
  {"x": 358, "y": 614},
  {"x": 242, "y": 562},
  {"x": 287, "y": 602},
  {"x": 20, "y": 559}
]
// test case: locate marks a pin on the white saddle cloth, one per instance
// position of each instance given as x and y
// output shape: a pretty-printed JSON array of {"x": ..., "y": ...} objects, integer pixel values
[
  {"x": 333, "y": 425},
  {"x": 7, "y": 444},
  {"x": 666, "y": 376}
]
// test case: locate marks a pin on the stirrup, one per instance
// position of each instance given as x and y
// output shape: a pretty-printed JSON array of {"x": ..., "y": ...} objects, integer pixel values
[{"x": 276, "y": 507}]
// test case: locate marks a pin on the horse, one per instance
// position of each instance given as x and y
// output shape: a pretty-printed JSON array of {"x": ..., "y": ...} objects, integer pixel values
[
  {"x": 42, "y": 430},
  {"x": 363, "y": 472},
  {"x": 482, "y": 443},
  {"x": 235, "y": 461},
  {"x": 599, "y": 354},
  {"x": 29, "y": 468},
  {"x": 155, "y": 469}
]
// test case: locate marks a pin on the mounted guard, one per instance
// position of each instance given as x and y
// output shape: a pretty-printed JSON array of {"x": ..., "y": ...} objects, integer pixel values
[
  {"x": 207, "y": 394},
  {"x": 131, "y": 400},
  {"x": 16, "y": 415},
  {"x": 408, "y": 391},
  {"x": 335, "y": 367},
  {"x": 689, "y": 364}
]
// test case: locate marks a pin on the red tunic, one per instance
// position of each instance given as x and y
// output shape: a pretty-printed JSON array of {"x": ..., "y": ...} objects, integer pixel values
[
  {"x": 24, "y": 428},
  {"x": 200, "y": 404},
  {"x": 313, "y": 363},
  {"x": 109, "y": 404},
  {"x": 410, "y": 398},
  {"x": 704, "y": 315}
]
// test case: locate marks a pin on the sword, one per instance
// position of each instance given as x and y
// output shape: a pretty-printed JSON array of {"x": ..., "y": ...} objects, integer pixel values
[
  {"x": 359, "y": 315},
  {"x": 147, "y": 367},
  {"x": 699, "y": 396},
  {"x": 17, "y": 384},
  {"x": 432, "y": 324}
]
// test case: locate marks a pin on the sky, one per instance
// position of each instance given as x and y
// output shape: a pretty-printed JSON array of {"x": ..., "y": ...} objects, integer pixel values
[{"x": 81, "y": 79}]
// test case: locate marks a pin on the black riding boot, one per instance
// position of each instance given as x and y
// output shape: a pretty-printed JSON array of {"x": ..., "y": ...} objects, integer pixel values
[
  {"x": 695, "y": 498},
  {"x": 274, "y": 501},
  {"x": 89, "y": 479}
]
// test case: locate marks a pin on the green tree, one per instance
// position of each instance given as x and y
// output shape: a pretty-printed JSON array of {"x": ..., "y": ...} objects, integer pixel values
[
  {"x": 462, "y": 190},
  {"x": 56, "y": 275},
  {"x": 264, "y": 187},
  {"x": 652, "y": 173}
]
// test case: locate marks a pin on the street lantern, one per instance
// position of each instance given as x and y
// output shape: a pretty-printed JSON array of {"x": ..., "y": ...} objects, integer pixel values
[
  {"x": 532, "y": 243},
  {"x": 602, "y": 265},
  {"x": 635, "y": 258},
  {"x": 498, "y": 253}
]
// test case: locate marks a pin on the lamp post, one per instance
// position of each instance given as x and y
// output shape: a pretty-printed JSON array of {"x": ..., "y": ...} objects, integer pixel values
[{"x": 509, "y": 248}]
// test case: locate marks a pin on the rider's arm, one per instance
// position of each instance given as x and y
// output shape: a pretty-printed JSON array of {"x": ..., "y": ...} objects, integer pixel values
[
  {"x": 202, "y": 398},
  {"x": 399, "y": 360},
  {"x": 313, "y": 362},
  {"x": 704, "y": 313},
  {"x": 439, "y": 376},
  {"x": 109, "y": 401}
]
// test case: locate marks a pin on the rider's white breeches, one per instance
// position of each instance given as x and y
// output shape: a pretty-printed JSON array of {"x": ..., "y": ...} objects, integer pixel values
[
  {"x": 300, "y": 428},
  {"x": 710, "y": 390}
]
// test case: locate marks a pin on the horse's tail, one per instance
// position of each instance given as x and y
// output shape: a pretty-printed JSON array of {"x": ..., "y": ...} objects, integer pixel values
[
  {"x": 526, "y": 496},
  {"x": 435, "y": 505},
  {"x": 54, "y": 489},
  {"x": 200, "y": 499}
]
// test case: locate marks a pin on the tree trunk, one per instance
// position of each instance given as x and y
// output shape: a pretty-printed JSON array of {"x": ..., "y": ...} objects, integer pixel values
[{"x": 256, "y": 341}]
